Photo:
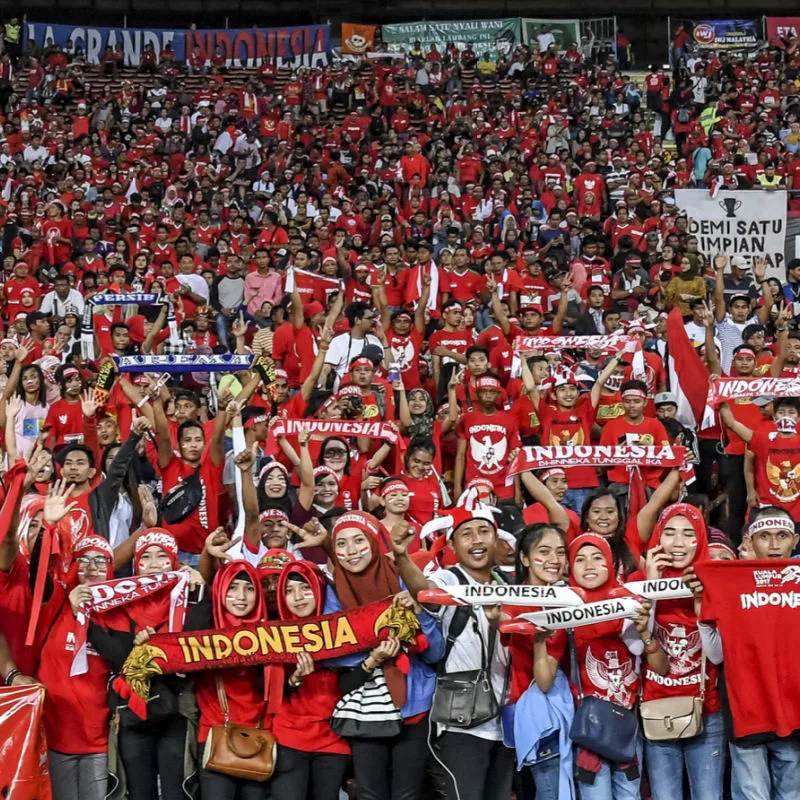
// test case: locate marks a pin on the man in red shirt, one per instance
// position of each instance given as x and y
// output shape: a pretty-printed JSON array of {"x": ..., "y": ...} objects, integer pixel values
[
  {"x": 630, "y": 429},
  {"x": 448, "y": 346},
  {"x": 488, "y": 441},
  {"x": 21, "y": 283},
  {"x": 65, "y": 419},
  {"x": 404, "y": 338}
]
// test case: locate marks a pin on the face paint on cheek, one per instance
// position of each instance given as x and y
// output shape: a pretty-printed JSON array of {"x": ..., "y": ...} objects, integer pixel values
[
  {"x": 364, "y": 549},
  {"x": 308, "y": 595},
  {"x": 538, "y": 561}
]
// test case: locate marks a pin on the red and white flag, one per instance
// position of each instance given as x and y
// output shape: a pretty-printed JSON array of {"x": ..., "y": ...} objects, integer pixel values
[{"x": 688, "y": 375}]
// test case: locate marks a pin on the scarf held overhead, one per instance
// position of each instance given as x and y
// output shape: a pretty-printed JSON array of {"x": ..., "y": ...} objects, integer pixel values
[
  {"x": 552, "y": 344},
  {"x": 228, "y": 362},
  {"x": 539, "y": 457},
  {"x": 724, "y": 390},
  {"x": 329, "y": 636},
  {"x": 334, "y": 427}
]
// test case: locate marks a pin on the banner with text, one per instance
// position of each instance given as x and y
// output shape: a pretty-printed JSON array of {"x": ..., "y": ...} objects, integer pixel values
[
  {"x": 727, "y": 34},
  {"x": 545, "y": 32},
  {"x": 726, "y": 390},
  {"x": 298, "y": 46},
  {"x": 739, "y": 223},
  {"x": 780, "y": 29},
  {"x": 495, "y": 36}
]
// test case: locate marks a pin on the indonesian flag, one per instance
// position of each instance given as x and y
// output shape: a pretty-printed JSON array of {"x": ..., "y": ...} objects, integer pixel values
[{"x": 688, "y": 375}]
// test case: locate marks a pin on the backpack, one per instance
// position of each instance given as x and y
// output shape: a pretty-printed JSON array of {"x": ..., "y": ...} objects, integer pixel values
[{"x": 683, "y": 115}]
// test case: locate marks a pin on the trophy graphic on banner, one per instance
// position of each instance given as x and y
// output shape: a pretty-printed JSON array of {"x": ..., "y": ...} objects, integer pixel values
[{"x": 730, "y": 205}]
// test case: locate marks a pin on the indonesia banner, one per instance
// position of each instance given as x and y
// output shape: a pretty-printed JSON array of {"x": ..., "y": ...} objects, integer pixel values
[
  {"x": 334, "y": 427},
  {"x": 724, "y": 390},
  {"x": 329, "y": 636},
  {"x": 738, "y": 223},
  {"x": 552, "y": 344},
  {"x": 558, "y": 619},
  {"x": 292, "y": 46},
  {"x": 24, "y": 770},
  {"x": 501, "y": 594},
  {"x": 541, "y": 457}
]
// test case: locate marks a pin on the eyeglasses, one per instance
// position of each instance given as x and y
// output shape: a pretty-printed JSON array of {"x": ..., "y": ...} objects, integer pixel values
[
  {"x": 93, "y": 561},
  {"x": 335, "y": 451}
]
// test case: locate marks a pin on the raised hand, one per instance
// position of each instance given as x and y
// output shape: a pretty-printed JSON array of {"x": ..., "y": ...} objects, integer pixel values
[
  {"x": 402, "y": 535},
  {"x": 239, "y": 327},
  {"x": 89, "y": 403},
  {"x": 149, "y": 509},
  {"x": 720, "y": 261},
  {"x": 23, "y": 351},
  {"x": 759, "y": 268},
  {"x": 13, "y": 406},
  {"x": 56, "y": 506},
  {"x": 312, "y": 534},
  {"x": 245, "y": 460},
  {"x": 141, "y": 425},
  {"x": 305, "y": 666},
  {"x": 217, "y": 545}
]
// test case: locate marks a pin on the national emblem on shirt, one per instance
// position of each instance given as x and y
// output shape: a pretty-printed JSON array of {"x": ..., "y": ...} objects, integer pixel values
[
  {"x": 488, "y": 448},
  {"x": 610, "y": 675},
  {"x": 682, "y": 647},
  {"x": 403, "y": 353},
  {"x": 784, "y": 479},
  {"x": 566, "y": 437}
]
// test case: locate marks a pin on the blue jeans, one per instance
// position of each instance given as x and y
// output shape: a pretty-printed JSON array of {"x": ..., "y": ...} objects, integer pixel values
[
  {"x": 611, "y": 783},
  {"x": 190, "y": 559},
  {"x": 703, "y": 756},
  {"x": 575, "y": 498},
  {"x": 766, "y": 771},
  {"x": 545, "y": 776}
]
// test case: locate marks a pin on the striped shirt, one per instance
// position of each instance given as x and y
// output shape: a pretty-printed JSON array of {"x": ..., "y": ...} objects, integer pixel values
[{"x": 729, "y": 334}]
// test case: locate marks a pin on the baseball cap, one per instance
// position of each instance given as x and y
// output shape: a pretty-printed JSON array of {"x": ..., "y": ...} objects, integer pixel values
[
  {"x": 740, "y": 261},
  {"x": 663, "y": 398},
  {"x": 762, "y": 401},
  {"x": 488, "y": 382}
]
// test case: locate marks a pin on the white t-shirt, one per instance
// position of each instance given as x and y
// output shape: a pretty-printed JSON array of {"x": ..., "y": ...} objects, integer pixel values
[
  {"x": 466, "y": 654},
  {"x": 344, "y": 348}
]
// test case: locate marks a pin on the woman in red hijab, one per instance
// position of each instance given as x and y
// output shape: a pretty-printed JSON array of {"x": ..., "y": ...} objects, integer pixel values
[
  {"x": 389, "y": 767},
  {"x": 607, "y": 662},
  {"x": 679, "y": 540},
  {"x": 309, "y": 752},
  {"x": 152, "y": 749},
  {"x": 75, "y": 708},
  {"x": 236, "y": 600}
]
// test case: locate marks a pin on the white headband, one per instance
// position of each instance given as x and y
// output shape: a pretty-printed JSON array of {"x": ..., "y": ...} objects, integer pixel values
[{"x": 766, "y": 523}]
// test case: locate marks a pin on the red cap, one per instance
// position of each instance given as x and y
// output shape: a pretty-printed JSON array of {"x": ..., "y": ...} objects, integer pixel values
[{"x": 488, "y": 382}]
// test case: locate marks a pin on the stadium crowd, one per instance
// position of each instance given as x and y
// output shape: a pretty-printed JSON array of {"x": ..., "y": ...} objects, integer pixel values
[{"x": 383, "y": 237}]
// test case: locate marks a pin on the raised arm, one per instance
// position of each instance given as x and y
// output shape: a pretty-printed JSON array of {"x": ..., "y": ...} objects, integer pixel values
[
  {"x": 603, "y": 377},
  {"x": 712, "y": 356},
  {"x": 563, "y": 303},
  {"x": 305, "y": 470},
  {"x": 216, "y": 451},
  {"x": 556, "y": 513},
  {"x": 760, "y": 273},
  {"x": 648, "y": 516},
  {"x": 402, "y": 536},
  {"x": 782, "y": 328},
  {"x": 150, "y": 339},
  {"x": 742, "y": 431},
  {"x": 161, "y": 430},
  {"x": 719, "y": 286}
]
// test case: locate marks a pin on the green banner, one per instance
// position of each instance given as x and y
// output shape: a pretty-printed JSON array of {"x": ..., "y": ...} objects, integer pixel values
[
  {"x": 544, "y": 32},
  {"x": 493, "y": 36}
]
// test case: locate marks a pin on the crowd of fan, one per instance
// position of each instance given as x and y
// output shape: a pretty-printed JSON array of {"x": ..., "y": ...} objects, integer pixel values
[{"x": 378, "y": 235}]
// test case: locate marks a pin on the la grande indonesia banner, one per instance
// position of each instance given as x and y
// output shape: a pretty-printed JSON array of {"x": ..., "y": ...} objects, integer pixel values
[{"x": 299, "y": 46}]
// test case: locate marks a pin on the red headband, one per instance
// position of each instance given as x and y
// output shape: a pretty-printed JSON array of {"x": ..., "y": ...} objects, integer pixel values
[
  {"x": 362, "y": 361},
  {"x": 744, "y": 351},
  {"x": 272, "y": 514},
  {"x": 255, "y": 420},
  {"x": 634, "y": 393},
  {"x": 394, "y": 485},
  {"x": 549, "y": 473},
  {"x": 157, "y": 537}
]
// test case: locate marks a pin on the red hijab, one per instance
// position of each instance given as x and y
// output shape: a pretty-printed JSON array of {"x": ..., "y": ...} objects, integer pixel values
[
  {"x": 154, "y": 610},
  {"x": 680, "y": 612},
  {"x": 311, "y": 574},
  {"x": 611, "y": 587}
]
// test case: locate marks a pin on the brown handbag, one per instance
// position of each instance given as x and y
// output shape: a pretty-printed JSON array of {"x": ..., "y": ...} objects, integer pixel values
[
  {"x": 239, "y": 751},
  {"x": 674, "y": 718}
]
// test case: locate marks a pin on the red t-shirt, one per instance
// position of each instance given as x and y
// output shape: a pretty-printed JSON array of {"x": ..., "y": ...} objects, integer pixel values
[
  {"x": 192, "y": 532},
  {"x": 521, "y": 652},
  {"x": 283, "y": 350},
  {"x": 609, "y": 408},
  {"x": 405, "y": 351},
  {"x": 76, "y": 707},
  {"x": 745, "y": 600},
  {"x": 13, "y": 291},
  {"x": 571, "y": 427},
  {"x": 649, "y": 431},
  {"x": 749, "y": 414},
  {"x": 425, "y": 498},
  {"x": 463, "y": 287},
  {"x": 15, "y": 611},
  {"x": 538, "y": 513},
  {"x": 490, "y": 438},
  {"x": 457, "y": 341},
  {"x": 777, "y": 464},
  {"x": 65, "y": 421}
]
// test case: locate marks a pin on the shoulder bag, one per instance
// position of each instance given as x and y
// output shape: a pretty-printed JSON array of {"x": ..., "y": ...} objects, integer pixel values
[
  {"x": 600, "y": 726},
  {"x": 672, "y": 718},
  {"x": 465, "y": 699},
  {"x": 182, "y": 499},
  {"x": 368, "y": 711},
  {"x": 239, "y": 751}
]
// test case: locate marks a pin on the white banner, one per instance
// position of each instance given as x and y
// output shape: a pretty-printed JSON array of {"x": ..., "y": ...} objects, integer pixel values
[{"x": 745, "y": 223}]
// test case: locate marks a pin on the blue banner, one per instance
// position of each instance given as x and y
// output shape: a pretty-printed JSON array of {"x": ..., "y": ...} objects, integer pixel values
[
  {"x": 299, "y": 46},
  {"x": 727, "y": 34}
]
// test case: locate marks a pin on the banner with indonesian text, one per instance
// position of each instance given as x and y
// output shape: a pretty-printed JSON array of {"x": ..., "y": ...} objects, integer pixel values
[
  {"x": 541, "y": 457},
  {"x": 552, "y": 344},
  {"x": 329, "y": 636},
  {"x": 320, "y": 428},
  {"x": 724, "y": 390}
]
